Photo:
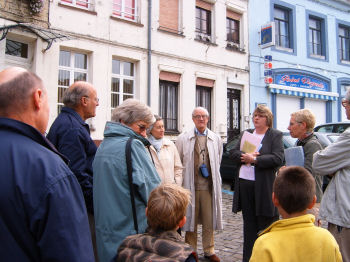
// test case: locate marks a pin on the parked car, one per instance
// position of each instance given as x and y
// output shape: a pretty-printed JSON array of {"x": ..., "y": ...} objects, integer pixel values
[{"x": 337, "y": 127}]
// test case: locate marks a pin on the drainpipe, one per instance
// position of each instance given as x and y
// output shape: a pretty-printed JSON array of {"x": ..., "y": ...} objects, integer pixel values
[{"x": 149, "y": 52}]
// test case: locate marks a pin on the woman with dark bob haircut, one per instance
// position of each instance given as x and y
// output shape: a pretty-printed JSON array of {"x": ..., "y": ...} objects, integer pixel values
[
  {"x": 253, "y": 185},
  {"x": 112, "y": 204}
]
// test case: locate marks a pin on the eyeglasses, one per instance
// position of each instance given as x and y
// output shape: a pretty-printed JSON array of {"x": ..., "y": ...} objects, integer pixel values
[
  {"x": 200, "y": 116},
  {"x": 142, "y": 128},
  {"x": 96, "y": 98},
  {"x": 344, "y": 103}
]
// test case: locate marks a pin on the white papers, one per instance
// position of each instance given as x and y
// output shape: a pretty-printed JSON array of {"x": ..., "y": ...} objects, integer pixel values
[
  {"x": 294, "y": 156},
  {"x": 250, "y": 143}
]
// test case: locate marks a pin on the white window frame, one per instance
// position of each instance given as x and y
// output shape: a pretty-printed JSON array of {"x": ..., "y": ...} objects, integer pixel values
[
  {"x": 123, "y": 14},
  {"x": 75, "y": 3},
  {"x": 72, "y": 70},
  {"x": 20, "y": 61},
  {"x": 121, "y": 78}
]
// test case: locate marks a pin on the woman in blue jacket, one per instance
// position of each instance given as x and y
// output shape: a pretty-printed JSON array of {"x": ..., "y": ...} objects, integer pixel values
[{"x": 112, "y": 204}]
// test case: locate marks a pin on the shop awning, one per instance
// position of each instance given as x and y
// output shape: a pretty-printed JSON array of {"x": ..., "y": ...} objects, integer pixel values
[
  {"x": 302, "y": 92},
  {"x": 47, "y": 35}
]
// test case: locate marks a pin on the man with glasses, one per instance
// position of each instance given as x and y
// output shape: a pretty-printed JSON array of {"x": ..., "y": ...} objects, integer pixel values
[
  {"x": 42, "y": 210},
  {"x": 200, "y": 151},
  {"x": 70, "y": 134},
  {"x": 335, "y": 205}
]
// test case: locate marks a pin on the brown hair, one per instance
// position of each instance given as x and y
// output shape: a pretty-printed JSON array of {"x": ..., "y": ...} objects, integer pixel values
[
  {"x": 265, "y": 111},
  {"x": 15, "y": 93},
  {"x": 294, "y": 188},
  {"x": 166, "y": 207}
]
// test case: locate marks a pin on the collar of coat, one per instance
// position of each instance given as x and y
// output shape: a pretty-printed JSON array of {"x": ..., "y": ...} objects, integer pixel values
[{"x": 210, "y": 134}]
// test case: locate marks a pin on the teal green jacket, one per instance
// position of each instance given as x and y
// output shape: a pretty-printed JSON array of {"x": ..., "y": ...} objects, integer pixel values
[{"x": 112, "y": 204}]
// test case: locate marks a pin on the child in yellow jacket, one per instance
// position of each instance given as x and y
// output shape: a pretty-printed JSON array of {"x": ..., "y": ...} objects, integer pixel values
[{"x": 295, "y": 237}]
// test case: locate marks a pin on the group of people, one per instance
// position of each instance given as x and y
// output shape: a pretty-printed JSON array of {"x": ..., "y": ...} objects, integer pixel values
[
  {"x": 294, "y": 191},
  {"x": 65, "y": 199}
]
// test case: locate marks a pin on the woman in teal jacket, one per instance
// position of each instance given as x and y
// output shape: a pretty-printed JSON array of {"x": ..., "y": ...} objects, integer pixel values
[{"x": 112, "y": 203}]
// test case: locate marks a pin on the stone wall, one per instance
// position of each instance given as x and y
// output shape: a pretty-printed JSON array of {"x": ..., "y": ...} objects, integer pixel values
[{"x": 19, "y": 11}]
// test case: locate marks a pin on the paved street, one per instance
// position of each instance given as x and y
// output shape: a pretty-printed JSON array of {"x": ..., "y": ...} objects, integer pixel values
[{"x": 229, "y": 242}]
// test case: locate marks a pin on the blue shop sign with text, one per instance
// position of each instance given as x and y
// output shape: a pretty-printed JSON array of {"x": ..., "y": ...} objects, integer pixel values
[{"x": 301, "y": 81}]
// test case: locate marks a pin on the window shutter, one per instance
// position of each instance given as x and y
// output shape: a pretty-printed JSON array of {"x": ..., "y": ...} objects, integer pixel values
[
  {"x": 205, "y": 82},
  {"x": 204, "y": 5},
  {"x": 168, "y": 76},
  {"x": 169, "y": 15},
  {"x": 233, "y": 15}
]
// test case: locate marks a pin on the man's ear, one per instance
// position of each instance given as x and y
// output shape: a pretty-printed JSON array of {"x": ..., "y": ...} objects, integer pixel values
[
  {"x": 38, "y": 98},
  {"x": 311, "y": 205},
  {"x": 146, "y": 211},
  {"x": 275, "y": 200}
]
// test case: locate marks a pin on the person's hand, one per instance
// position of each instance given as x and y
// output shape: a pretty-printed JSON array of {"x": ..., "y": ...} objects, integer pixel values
[{"x": 248, "y": 158}]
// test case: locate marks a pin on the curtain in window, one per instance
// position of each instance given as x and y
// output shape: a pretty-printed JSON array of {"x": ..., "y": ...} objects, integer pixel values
[
  {"x": 124, "y": 8},
  {"x": 168, "y": 104}
]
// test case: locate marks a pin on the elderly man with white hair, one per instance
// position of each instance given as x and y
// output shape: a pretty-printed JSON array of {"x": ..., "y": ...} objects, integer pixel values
[{"x": 200, "y": 151}]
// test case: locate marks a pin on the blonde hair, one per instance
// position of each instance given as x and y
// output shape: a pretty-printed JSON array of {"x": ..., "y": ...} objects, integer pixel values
[
  {"x": 305, "y": 115},
  {"x": 166, "y": 206}
]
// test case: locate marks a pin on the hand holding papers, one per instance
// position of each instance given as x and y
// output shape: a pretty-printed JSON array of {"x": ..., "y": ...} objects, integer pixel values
[{"x": 250, "y": 143}]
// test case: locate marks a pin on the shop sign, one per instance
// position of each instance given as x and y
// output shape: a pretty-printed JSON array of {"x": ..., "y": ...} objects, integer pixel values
[{"x": 301, "y": 81}]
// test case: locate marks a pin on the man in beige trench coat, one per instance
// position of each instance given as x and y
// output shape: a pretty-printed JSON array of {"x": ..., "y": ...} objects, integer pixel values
[{"x": 200, "y": 151}]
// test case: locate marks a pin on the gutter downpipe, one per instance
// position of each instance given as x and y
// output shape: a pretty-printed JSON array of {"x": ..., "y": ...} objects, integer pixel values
[{"x": 149, "y": 52}]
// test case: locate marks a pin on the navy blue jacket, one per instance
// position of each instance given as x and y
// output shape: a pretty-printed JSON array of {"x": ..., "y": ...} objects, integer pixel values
[
  {"x": 42, "y": 211},
  {"x": 71, "y": 136}
]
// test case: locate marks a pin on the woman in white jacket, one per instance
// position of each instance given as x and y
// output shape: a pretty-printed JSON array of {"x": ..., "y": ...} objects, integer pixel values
[{"x": 164, "y": 153}]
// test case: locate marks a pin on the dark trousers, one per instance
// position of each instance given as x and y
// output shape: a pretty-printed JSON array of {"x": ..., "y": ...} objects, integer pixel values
[{"x": 252, "y": 224}]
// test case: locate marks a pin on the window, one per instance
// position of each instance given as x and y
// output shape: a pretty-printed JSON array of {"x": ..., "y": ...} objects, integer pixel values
[
  {"x": 344, "y": 43},
  {"x": 169, "y": 16},
  {"x": 86, "y": 4},
  {"x": 315, "y": 36},
  {"x": 232, "y": 30},
  {"x": 168, "y": 104},
  {"x": 125, "y": 9},
  {"x": 282, "y": 23},
  {"x": 72, "y": 67},
  {"x": 203, "y": 24},
  {"x": 15, "y": 48},
  {"x": 123, "y": 81},
  {"x": 203, "y": 98}
]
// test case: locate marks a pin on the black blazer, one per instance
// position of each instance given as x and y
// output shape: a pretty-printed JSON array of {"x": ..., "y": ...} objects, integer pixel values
[{"x": 271, "y": 158}]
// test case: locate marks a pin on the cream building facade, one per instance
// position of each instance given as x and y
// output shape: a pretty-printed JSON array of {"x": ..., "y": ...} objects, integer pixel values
[{"x": 192, "y": 52}]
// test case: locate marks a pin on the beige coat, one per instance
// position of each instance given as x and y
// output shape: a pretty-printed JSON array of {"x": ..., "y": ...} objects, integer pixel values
[
  {"x": 168, "y": 163},
  {"x": 185, "y": 146}
]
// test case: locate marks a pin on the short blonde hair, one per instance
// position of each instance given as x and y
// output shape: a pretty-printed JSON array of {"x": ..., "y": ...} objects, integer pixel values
[
  {"x": 265, "y": 111},
  {"x": 167, "y": 205},
  {"x": 305, "y": 115},
  {"x": 131, "y": 111}
]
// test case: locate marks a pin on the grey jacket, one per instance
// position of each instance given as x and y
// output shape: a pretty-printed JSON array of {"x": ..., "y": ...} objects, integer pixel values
[
  {"x": 311, "y": 145},
  {"x": 335, "y": 204}
]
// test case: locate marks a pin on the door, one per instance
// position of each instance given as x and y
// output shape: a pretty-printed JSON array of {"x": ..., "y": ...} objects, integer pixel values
[{"x": 233, "y": 113}]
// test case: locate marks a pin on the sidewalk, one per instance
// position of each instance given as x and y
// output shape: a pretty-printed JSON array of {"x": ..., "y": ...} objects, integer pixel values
[{"x": 229, "y": 242}]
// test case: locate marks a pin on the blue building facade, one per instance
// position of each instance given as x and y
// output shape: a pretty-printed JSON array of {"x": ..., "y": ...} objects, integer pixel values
[{"x": 299, "y": 57}]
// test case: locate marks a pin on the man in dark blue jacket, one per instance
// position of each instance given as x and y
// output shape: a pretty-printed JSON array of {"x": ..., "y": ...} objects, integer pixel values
[
  {"x": 70, "y": 134},
  {"x": 42, "y": 211}
]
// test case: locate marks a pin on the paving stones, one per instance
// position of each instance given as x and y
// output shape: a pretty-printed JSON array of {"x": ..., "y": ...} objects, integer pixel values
[{"x": 229, "y": 242}]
